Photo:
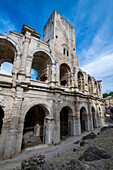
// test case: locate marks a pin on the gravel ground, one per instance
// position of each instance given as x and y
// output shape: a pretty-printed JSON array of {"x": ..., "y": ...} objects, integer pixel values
[{"x": 63, "y": 153}]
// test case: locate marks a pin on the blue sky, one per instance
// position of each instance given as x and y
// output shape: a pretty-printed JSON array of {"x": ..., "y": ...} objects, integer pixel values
[{"x": 93, "y": 22}]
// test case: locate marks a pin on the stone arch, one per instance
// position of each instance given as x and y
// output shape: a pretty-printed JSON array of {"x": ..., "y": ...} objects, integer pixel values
[
  {"x": 45, "y": 106},
  {"x": 90, "y": 85},
  {"x": 65, "y": 62},
  {"x": 34, "y": 130},
  {"x": 8, "y": 50},
  {"x": 44, "y": 51},
  {"x": 66, "y": 121},
  {"x": 65, "y": 104},
  {"x": 80, "y": 80},
  {"x": 84, "y": 118},
  {"x": 41, "y": 64},
  {"x": 65, "y": 75},
  {"x": 1, "y": 118}
]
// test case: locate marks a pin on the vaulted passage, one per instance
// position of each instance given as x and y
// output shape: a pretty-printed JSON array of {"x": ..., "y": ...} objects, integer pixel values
[
  {"x": 1, "y": 118},
  {"x": 83, "y": 119},
  {"x": 33, "y": 133},
  {"x": 80, "y": 80},
  {"x": 41, "y": 66},
  {"x": 65, "y": 75},
  {"x": 7, "y": 54},
  {"x": 66, "y": 122}
]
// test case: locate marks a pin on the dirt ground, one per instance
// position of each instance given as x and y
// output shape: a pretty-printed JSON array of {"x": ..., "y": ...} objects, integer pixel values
[{"x": 63, "y": 153}]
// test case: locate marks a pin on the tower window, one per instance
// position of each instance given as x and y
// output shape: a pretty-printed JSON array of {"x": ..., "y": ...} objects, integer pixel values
[
  {"x": 67, "y": 53},
  {"x": 64, "y": 51}
]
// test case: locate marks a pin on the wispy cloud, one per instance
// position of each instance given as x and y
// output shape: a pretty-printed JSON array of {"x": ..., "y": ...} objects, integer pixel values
[
  {"x": 102, "y": 68},
  {"x": 6, "y": 25}
]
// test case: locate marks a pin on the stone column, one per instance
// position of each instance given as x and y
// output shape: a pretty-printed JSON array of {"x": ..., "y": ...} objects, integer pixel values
[
  {"x": 4, "y": 135},
  {"x": 77, "y": 118},
  {"x": 53, "y": 75},
  {"x": 57, "y": 73},
  {"x": 25, "y": 52},
  {"x": 13, "y": 129},
  {"x": 19, "y": 137},
  {"x": 48, "y": 130}
]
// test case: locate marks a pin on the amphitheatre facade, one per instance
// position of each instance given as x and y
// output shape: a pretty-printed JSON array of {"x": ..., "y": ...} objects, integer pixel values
[{"x": 61, "y": 101}]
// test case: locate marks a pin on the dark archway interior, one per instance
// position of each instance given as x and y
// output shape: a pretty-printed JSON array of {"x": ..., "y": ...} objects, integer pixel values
[
  {"x": 34, "y": 126},
  {"x": 64, "y": 75},
  {"x": 40, "y": 64},
  {"x": 93, "y": 116},
  {"x": 6, "y": 55},
  {"x": 1, "y": 118},
  {"x": 64, "y": 122},
  {"x": 83, "y": 119},
  {"x": 80, "y": 81}
]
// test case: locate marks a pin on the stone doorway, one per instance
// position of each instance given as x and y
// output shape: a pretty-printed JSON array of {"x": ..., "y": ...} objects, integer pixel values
[
  {"x": 33, "y": 132},
  {"x": 83, "y": 119},
  {"x": 1, "y": 118},
  {"x": 66, "y": 122}
]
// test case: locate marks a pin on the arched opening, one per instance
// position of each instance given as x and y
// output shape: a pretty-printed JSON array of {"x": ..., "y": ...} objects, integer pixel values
[
  {"x": 93, "y": 117},
  {"x": 1, "y": 118},
  {"x": 33, "y": 132},
  {"x": 6, "y": 58},
  {"x": 65, "y": 75},
  {"x": 83, "y": 119},
  {"x": 65, "y": 122},
  {"x": 89, "y": 85},
  {"x": 40, "y": 69},
  {"x": 80, "y": 79}
]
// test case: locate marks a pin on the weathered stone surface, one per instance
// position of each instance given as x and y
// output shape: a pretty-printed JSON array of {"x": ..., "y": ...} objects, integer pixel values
[
  {"x": 60, "y": 87},
  {"x": 77, "y": 142},
  {"x": 34, "y": 162},
  {"x": 89, "y": 136},
  {"x": 94, "y": 153},
  {"x": 82, "y": 143},
  {"x": 105, "y": 128}
]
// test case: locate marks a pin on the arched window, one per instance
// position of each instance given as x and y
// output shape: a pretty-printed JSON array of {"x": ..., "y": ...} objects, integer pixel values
[
  {"x": 40, "y": 66},
  {"x": 80, "y": 80},
  {"x": 65, "y": 75},
  {"x": 89, "y": 85},
  {"x": 7, "y": 54}
]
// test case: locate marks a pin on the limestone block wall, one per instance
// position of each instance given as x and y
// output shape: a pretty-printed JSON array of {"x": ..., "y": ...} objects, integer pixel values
[{"x": 64, "y": 93}]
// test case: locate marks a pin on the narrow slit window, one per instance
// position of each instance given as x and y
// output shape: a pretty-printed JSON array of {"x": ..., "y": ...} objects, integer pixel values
[
  {"x": 64, "y": 51},
  {"x": 67, "y": 53}
]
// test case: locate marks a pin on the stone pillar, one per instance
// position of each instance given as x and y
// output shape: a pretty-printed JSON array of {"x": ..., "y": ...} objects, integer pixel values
[
  {"x": 14, "y": 123},
  {"x": 77, "y": 125},
  {"x": 48, "y": 130},
  {"x": 57, "y": 132},
  {"x": 57, "y": 73},
  {"x": 53, "y": 75},
  {"x": 77, "y": 118},
  {"x": 16, "y": 68},
  {"x": 90, "y": 122},
  {"x": 4, "y": 135},
  {"x": 19, "y": 138},
  {"x": 25, "y": 52},
  {"x": 87, "y": 123}
]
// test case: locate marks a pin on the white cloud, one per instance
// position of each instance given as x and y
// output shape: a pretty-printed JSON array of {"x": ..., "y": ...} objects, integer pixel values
[
  {"x": 102, "y": 69},
  {"x": 6, "y": 25}
]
